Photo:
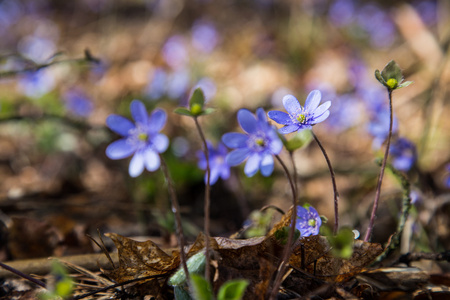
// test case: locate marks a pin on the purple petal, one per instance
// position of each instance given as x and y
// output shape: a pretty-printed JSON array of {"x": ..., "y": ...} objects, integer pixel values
[
  {"x": 235, "y": 140},
  {"x": 237, "y": 156},
  {"x": 312, "y": 101},
  {"x": 119, "y": 124},
  {"x": 267, "y": 165},
  {"x": 322, "y": 108},
  {"x": 261, "y": 114},
  {"x": 302, "y": 212},
  {"x": 322, "y": 118},
  {"x": 119, "y": 149},
  {"x": 157, "y": 120},
  {"x": 139, "y": 112},
  {"x": 289, "y": 128},
  {"x": 276, "y": 146},
  {"x": 160, "y": 143},
  {"x": 151, "y": 160},
  {"x": 213, "y": 177},
  {"x": 291, "y": 104},
  {"x": 136, "y": 165},
  {"x": 247, "y": 121},
  {"x": 252, "y": 165},
  {"x": 280, "y": 117}
]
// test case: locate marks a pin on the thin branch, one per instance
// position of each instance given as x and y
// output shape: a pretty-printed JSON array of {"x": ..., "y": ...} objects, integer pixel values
[
  {"x": 88, "y": 58},
  {"x": 23, "y": 275}
]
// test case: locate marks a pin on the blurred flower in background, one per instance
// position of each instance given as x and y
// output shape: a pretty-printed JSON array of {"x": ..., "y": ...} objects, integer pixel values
[
  {"x": 175, "y": 52},
  {"x": 36, "y": 84},
  {"x": 204, "y": 36},
  {"x": 217, "y": 162},
  {"x": 78, "y": 103},
  {"x": 447, "y": 178},
  {"x": 403, "y": 154}
]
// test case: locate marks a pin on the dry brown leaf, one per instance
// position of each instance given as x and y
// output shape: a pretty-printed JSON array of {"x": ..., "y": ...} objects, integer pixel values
[{"x": 140, "y": 259}]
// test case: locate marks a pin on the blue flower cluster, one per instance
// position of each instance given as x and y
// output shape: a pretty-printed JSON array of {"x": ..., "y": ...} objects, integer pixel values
[{"x": 259, "y": 144}]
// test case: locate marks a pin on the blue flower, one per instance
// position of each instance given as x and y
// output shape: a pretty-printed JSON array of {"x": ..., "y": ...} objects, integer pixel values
[
  {"x": 78, "y": 103},
  {"x": 140, "y": 139},
  {"x": 403, "y": 154},
  {"x": 308, "y": 221},
  {"x": 259, "y": 144},
  {"x": 298, "y": 117},
  {"x": 217, "y": 162}
]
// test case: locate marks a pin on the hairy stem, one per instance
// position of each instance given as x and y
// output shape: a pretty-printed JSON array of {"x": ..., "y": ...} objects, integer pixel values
[
  {"x": 287, "y": 250},
  {"x": 380, "y": 178},
  {"x": 207, "y": 197},
  {"x": 333, "y": 181},
  {"x": 176, "y": 211}
]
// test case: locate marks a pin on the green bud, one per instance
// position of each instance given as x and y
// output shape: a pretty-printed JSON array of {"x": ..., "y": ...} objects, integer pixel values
[
  {"x": 392, "y": 83},
  {"x": 391, "y": 76},
  {"x": 196, "y": 109}
]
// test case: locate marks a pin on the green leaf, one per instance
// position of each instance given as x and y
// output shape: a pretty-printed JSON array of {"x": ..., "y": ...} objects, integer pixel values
[
  {"x": 232, "y": 290},
  {"x": 197, "y": 101},
  {"x": 342, "y": 243},
  {"x": 196, "y": 265},
  {"x": 181, "y": 293},
  {"x": 183, "y": 111},
  {"x": 301, "y": 139},
  {"x": 201, "y": 289},
  {"x": 282, "y": 235},
  {"x": 392, "y": 71},
  {"x": 379, "y": 77},
  {"x": 404, "y": 84},
  {"x": 208, "y": 111}
]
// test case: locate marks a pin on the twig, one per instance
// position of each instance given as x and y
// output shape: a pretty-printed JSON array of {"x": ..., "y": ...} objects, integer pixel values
[
  {"x": 88, "y": 58},
  {"x": 23, "y": 275}
]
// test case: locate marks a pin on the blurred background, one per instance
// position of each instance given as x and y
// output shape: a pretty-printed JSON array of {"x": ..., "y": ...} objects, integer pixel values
[{"x": 66, "y": 65}]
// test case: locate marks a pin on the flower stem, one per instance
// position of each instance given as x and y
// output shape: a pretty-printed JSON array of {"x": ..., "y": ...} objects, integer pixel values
[
  {"x": 294, "y": 171},
  {"x": 287, "y": 250},
  {"x": 333, "y": 181},
  {"x": 380, "y": 178},
  {"x": 207, "y": 197},
  {"x": 176, "y": 211}
]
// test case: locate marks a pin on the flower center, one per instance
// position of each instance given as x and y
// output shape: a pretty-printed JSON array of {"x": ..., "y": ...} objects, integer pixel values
[
  {"x": 260, "y": 142},
  {"x": 312, "y": 222},
  {"x": 301, "y": 118},
  {"x": 142, "y": 136}
]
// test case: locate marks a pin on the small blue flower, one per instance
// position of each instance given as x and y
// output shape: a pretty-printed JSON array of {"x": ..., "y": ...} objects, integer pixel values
[
  {"x": 217, "y": 163},
  {"x": 308, "y": 221},
  {"x": 259, "y": 144},
  {"x": 403, "y": 154},
  {"x": 140, "y": 139},
  {"x": 78, "y": 103},
  {"x": 298, "y": 117}
]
